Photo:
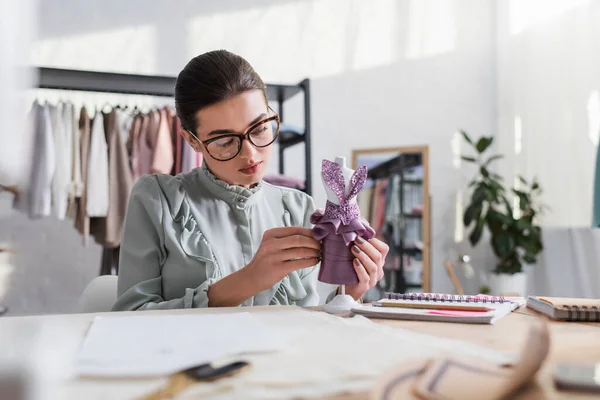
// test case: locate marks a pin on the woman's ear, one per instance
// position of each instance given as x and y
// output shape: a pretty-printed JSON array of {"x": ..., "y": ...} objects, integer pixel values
[{"x": 191, "y": 139}]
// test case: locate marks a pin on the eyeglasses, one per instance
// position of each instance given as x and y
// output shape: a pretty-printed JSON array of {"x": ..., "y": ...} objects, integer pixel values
[{"x": 226, "y": 147}]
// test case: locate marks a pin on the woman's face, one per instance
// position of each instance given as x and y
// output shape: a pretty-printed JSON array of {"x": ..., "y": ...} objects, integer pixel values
[{"x": 235, "y": 115}]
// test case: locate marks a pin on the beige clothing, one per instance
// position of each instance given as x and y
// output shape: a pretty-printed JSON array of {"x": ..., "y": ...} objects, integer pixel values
[
  {"x": 82, "y": 220},
  {"x": 120, "y": 178}
]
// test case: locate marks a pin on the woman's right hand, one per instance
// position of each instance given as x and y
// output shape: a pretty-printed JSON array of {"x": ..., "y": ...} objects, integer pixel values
[{"x": 282, "y": 251}]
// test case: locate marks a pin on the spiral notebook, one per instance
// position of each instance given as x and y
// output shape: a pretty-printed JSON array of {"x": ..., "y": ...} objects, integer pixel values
[
  {"x": 566, "y": 309},
  {"x": 480, "y": 309}
]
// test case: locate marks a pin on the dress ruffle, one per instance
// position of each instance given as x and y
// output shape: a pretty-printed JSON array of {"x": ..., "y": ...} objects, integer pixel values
[{"x": 325, "y": 226}]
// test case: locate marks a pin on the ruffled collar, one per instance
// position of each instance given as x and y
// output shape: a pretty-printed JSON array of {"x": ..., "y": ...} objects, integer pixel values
[{"x": 229, "y": 193}]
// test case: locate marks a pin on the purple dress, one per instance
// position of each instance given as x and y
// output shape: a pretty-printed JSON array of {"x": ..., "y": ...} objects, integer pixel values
[{"x": 339, "y": 225}]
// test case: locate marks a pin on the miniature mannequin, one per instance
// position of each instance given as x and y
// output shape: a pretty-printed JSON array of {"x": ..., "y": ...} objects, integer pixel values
[{"x": 337, "y": 226}]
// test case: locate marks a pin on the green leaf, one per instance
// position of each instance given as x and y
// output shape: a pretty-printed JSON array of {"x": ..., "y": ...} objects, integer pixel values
[
  {"x": 475, "y": 235},
  {"x": 523, "y": 180},
  {"x": 473, "y": 183},
  {"x": 469, "y": 159},
  {"x": 484, "y": 172},
  {"x": 467, "y": 138},
  {"x": 535, "y": 186},
  {"x": 493, "y": 220},
  {"x": 492, "y": 158},
  {"x": 483, "y": 143},
  {"x": 529, "y": 258},
  {"x": 503, "y": 244},
  {"x": 530, "y": 245},
  {"x": 478, "y": 195},
  {"x": 468, "y": 216},
  {"x": 496, "y": 176},
  {"x": 507, "y": 204},
  {"x": 497, "y": 188},
  {"x": 524, "y": 201},
  {"x": 523, "y": 225}
]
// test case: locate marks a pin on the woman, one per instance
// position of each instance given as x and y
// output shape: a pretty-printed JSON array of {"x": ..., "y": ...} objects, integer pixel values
[{"x": 219, "y": 235}]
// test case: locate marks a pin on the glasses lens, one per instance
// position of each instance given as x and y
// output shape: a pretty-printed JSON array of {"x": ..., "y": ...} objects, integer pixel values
[
  {"x": 224, "y": 148},
  {"x": 264, "y": 133}
]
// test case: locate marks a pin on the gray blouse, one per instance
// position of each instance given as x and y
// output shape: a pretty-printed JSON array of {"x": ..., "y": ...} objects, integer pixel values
[{"x": 183, "y": 233}]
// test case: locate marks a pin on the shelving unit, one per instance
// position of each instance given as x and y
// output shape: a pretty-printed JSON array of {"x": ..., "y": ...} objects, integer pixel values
[
  {"x": 416, "y": 246},
  {"x": 164, "y": 86},
  {"x": 288, "y": 139}
]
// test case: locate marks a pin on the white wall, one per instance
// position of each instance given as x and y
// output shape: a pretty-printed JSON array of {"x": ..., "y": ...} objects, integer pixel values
[
  {"x": 549, "y": 95},
  {"x": 384, "y": 72}
]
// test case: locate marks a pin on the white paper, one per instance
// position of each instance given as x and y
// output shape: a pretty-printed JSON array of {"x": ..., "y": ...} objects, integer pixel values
[{"x": 137, "y": 346}]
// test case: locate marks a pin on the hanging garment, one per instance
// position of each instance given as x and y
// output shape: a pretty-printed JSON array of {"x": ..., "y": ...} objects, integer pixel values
[
  {"x": 62, "y": 130},
  {"x": 147, "y": 142},
  {"x": 162, "y": 157},
  {"x": 120, "y": 177},
  {"x": 82, "y": 219},
  {"x": 39, "y": 196},
  {"x": 190, "y": 159},
  {"x": 179, "y": 144},
  {"x": 76, "y": 185},
  {"x": 97, "y": 184},
  {"x": 286, "y": 181},
  {"x": 173, "y": 132},
  {"x": 133, "y": 145}
]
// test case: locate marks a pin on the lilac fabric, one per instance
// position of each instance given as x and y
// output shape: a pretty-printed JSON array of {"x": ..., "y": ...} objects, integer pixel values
[
  {"x": 339, "y": 225},
  {"x": 336, "y": 239}
]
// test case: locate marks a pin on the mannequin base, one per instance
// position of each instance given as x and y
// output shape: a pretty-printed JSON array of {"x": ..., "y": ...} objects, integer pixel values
[{"x": 342, "y": 303}]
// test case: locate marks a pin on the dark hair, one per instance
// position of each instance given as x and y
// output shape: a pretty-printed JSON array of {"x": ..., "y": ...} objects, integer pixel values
[{"x": 209, "y": 79}]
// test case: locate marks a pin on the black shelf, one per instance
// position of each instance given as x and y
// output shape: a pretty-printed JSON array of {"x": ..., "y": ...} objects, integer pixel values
[
  {"x": 109, "y": 82},
  {"x": 150, "y": 85},
  {"x": 412, "y": 216},
  {"x": 283, "y": 92},
  {"x": 413, "y": 286},
  {"x": 413, "y": 181},
  {"x": 291, "y": 141},
  {"x": 395, "y": 165},
  {"x": 410, "y": 250}
]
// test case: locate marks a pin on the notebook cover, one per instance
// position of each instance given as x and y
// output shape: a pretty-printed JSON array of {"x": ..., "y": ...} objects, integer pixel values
[
  {"x": 468, "y": 317},
  {"x": 566, "y": 309}
]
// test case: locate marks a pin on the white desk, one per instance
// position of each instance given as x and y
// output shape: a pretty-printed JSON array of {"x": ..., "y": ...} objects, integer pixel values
[{"x": 59, "y": 337}]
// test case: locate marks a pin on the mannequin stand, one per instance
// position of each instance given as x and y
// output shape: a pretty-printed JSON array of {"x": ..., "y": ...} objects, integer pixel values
[{"x": 340, "y": 304}]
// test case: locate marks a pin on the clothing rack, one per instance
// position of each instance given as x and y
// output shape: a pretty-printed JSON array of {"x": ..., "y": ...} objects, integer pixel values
[{"x": 164, "y": 86}]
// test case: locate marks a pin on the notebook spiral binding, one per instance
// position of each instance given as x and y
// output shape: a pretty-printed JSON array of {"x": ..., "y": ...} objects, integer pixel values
[
  {"x": 453, "y": 298},
  {"x": 583, "y": 313}
]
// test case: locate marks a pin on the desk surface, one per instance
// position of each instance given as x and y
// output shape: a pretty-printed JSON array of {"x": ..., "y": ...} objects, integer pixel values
[{"x": 570, "y": 341}]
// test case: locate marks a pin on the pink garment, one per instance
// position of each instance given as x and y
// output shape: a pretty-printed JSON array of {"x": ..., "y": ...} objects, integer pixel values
[
  {"x": 178, "y": 143},
  {"x": 283, "y": 180},
  {"x": 146, "y": 143},
  {"x": 162, "y": 155},
  {"x": 134, "y": 145},
  {"x": 189, "y": 158}
]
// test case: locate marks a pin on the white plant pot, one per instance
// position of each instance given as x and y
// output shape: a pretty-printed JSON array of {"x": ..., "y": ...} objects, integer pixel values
[{"x": 508, "y": 285}]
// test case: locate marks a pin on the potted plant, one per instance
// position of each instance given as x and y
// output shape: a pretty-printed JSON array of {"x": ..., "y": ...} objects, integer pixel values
[{"x": 515, "y": 237}]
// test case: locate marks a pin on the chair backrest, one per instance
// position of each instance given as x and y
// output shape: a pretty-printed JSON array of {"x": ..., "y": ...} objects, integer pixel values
[{"x": 100, "y": 295}]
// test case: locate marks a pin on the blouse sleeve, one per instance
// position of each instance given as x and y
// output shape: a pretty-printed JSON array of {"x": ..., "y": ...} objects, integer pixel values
[{"x": 143, "y": 253}]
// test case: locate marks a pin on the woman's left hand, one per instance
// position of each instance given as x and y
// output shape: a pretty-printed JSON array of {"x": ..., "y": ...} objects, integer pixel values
[{"x": 368, "y": 264}]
